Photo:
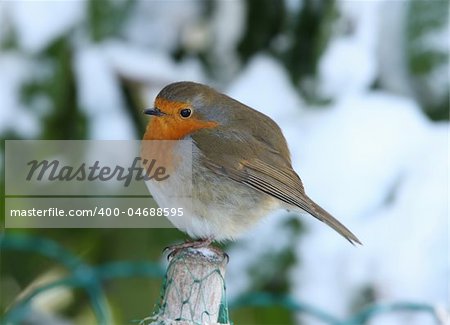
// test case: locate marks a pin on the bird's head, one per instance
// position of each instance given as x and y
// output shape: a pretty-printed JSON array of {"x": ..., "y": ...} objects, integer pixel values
[{"x": 183, "y": 108}]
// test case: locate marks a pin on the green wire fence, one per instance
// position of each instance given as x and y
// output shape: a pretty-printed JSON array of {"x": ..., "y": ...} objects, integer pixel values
[{"x": 92, "y": 278}]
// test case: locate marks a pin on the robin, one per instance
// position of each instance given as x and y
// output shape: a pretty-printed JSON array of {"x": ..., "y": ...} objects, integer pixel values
[{"x": 237, "y": 170}]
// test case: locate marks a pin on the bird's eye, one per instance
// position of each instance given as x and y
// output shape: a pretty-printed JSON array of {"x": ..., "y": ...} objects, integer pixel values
[{"x": 185, "y": 112}]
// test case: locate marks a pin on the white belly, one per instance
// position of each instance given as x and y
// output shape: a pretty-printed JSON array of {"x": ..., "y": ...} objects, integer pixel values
[
  {"x": 176, "y": 191},
  {"x": 212, "y": 207}
]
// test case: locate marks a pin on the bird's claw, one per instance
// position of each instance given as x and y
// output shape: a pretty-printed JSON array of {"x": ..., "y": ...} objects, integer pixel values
[{"x": 227, "y": 257}]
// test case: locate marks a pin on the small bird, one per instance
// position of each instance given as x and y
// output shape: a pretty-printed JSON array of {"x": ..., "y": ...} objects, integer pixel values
[{"x": 237, "y": 168}]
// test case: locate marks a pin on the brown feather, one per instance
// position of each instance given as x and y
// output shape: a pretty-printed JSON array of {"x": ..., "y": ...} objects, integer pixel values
[{"x": 264, "y": 170}]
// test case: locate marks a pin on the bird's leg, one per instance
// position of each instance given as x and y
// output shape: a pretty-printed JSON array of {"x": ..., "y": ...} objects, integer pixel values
[{"x": 204, "y": 242}]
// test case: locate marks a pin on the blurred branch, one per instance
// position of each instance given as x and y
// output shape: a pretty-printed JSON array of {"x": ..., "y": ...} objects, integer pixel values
[
  {"x": 106, "y": 17},
  {"x": 63, "y": 118},
  {"x": 428, "y": 22},
  {"x": 134, "y": 102},
  {"x": 265, "y": 21},
  {"x": 193, "y": 288},
  {"x": 262, "y": 299},
  {"x": 82, "y": 275},
  {"x": 311, "y": 34}
]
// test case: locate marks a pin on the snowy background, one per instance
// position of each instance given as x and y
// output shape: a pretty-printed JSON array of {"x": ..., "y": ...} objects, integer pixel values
[{"x": 359, "y": 88}]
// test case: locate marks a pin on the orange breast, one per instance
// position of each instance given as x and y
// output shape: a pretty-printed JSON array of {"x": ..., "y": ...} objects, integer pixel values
[{"x": 172, "y": 126}]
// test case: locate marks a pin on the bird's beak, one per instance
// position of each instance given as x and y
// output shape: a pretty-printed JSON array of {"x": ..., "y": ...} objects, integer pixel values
[{"x": 154, "y": 112}]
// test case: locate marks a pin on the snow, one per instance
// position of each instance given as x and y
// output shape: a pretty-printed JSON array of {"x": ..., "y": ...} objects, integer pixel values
[
  {"x": 38, "y": 23},
  {"x": 393, "y": 72},
  {"x": 150, "y": 19},
  {"x": 209, "y": 253},
  {"x": 14, "y": 117},
  {"x": 151, "y": 66},
  {"x": 349, "y": 63},
  {"x": 370, "y": 157},
  {"x": 355, "y": 71},
  {"x": 262, "y": 242},
  {"x": 265, "y": 86},
  {"x": 98, "y": 68},
  {"x": 227, "y": 27},
  {"x": 100, "y": 96},
  {"x": 4, "y": 27},
  {"x": 294, "y": 5},
  {"x": 397, "y": 189},
  {"x": 387, "y": 183},
  {"x": 355, "y": 152},
  {"x": 437, "y": 83}
]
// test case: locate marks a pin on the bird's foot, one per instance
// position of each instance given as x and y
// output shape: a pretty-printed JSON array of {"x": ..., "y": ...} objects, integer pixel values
[{"x": 174, "y": 249}]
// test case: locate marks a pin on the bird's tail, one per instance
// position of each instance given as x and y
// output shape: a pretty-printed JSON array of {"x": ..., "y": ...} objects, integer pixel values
[{"x": 319, "y": 213}]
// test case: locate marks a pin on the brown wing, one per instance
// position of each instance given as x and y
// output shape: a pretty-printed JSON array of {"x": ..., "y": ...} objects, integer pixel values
[{"x": 251, "y": 163}]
